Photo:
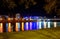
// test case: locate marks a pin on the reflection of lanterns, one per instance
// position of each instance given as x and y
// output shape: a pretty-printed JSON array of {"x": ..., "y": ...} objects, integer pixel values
[
  {"x": 55, "y": 24},
  {"x": 1, "y": 27},
  {"x": 17, "y": 26},
  {"x": 22, "y": 26},
  {"x": 48, "y": 23},
  {"x": 39, "y": 23},
  {"x": 26, "y": 25},
  {"x": 30, "y": 24},
  {"x": 9, "y": 27},
  {"x": 44, "y": 24}
]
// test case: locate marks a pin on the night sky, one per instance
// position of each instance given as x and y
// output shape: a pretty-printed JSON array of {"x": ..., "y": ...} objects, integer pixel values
[{"x": 36, "y": 10}]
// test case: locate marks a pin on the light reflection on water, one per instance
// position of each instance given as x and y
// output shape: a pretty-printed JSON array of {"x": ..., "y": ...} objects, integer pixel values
[
  {"x": 34, "y": 25},
  {"x": 6, "y": 27}
]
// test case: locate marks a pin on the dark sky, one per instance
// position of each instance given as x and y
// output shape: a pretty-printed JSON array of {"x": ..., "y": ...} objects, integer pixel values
[{"x": 36, "y": 10}]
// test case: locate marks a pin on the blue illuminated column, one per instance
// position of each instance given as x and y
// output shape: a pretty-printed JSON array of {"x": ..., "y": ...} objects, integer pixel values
[
  {"x": 48, "y": 23},
  {"x": 37, "y": 25},
  {"x": 26, "y": 25},
  {"x": 34, "y": 24},
  {"x": 30, "y": 24},
  {"x": 6, "y": 27}
]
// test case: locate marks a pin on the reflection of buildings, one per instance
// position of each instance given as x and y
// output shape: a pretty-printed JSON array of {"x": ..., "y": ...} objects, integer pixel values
[{"x": 9, "y": 24}]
